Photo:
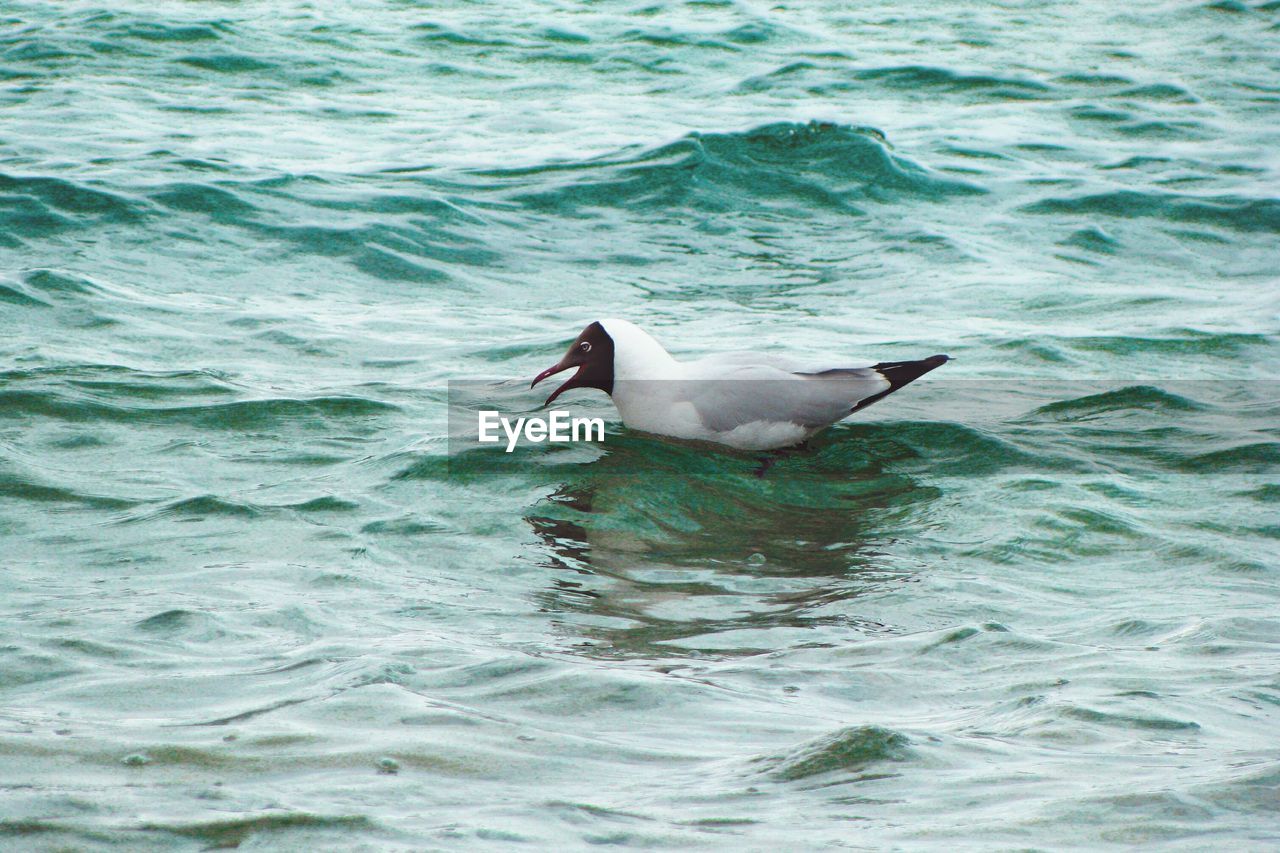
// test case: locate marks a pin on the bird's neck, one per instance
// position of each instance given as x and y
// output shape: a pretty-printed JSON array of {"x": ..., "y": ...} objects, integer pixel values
[
  {"x": 658, "y": 365},
  {"x": 638, "y": 356}
]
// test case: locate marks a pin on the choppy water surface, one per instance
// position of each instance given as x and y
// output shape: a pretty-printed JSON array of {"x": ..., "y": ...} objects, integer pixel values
[{"x": 247, "y": 597}]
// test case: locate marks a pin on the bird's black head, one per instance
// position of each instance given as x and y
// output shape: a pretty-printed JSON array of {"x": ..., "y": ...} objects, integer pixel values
[{"x": 592, "y": 353}]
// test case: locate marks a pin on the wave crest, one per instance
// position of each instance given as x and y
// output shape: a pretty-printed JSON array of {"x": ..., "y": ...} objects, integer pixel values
[{"x": 785, "y": 164}]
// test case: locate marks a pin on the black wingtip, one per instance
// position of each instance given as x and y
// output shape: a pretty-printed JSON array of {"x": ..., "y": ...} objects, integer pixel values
[{"x": 900, "y": 373}]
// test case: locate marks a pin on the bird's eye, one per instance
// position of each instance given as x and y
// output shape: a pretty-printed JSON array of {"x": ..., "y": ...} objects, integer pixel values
[{"x": 585, "y": 346}]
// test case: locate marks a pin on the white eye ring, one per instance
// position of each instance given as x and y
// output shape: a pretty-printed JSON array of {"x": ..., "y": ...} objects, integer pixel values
[{"x": 585, "y": 346}]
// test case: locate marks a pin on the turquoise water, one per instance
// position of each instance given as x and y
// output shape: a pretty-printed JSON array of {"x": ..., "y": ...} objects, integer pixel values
[{"x": 250, "y": 598}]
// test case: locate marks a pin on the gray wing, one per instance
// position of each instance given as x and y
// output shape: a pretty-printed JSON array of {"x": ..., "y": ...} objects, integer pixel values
[
  {"x": 750, "y": 393},
  {"x": 725, "y": 362}
]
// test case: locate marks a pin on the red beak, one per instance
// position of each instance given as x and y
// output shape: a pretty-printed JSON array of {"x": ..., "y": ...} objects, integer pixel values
[{"x": 552, "y": 371}]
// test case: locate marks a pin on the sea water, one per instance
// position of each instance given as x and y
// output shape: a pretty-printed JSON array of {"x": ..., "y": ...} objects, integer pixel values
[{"x": 253, "y": 593}]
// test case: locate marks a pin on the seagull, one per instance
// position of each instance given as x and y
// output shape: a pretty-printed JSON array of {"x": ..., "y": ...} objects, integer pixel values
[{"x": 746, "y": 400}]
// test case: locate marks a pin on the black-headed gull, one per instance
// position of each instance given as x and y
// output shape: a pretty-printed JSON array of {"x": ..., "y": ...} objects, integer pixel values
[{"x": 747, "y": 400}]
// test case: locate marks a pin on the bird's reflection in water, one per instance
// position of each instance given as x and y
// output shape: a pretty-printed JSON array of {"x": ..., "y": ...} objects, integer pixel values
[{"x": 663, "y": 549}]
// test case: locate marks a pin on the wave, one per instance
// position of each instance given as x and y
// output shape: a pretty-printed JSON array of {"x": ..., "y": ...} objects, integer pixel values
[
  {"x": 945, "y": 446},
  {"x": 1173, "y": 342},
  {"x": 17, "y": 293},
  {"x": 914, "y": 80},
  {"x": 219, "y": 204},
  {"x": 754, "y": 33},
  {"x": 927, "y": 77},
  {"x": 227, "y": 63},
  {"x": 1231, "y": 212},
  {"x": 69, "y": 196},
  {"x": 802, "y": 166},
  {"x": 38, "y": 207},
  {"x": 22, "y": 488},
  {"x": 428, "y": 227},
  {"x": 179, "y": 621},
  {"x": 1129, "y": 721},
  {"x": 1144, "y": 397},
  {"x": 235, "y": 831},
  {"x": 159, "y": 31},
  {"x": 204, "y": 506},
  {"x": 847, "y": 750},
  {"x": 1259, "y": 457},
  {"x": 238, "y": 415}
]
